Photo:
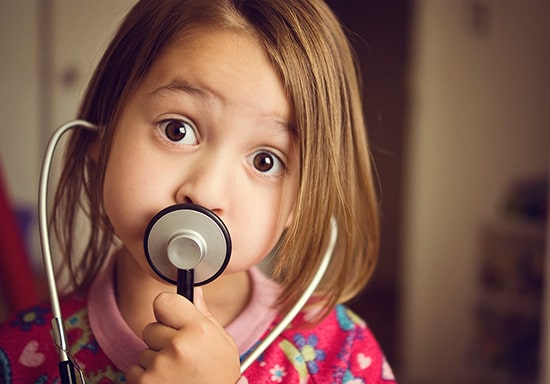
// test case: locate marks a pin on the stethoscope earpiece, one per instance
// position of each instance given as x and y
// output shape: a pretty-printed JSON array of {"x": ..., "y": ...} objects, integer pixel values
[{"x": 187, "y": 245}]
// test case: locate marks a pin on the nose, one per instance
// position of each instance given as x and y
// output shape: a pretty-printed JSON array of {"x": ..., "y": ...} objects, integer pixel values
[{"x": 206, "y": 182}]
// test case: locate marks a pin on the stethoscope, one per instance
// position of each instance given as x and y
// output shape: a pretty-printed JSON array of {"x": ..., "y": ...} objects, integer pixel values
[{"x": 185, "y": 244}]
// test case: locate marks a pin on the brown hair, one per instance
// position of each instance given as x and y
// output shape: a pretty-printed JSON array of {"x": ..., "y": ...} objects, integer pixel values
[{"x": 309, "y": 49}]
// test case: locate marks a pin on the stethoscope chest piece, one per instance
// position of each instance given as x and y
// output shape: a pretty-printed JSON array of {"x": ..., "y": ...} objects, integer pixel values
[
  {"x": 187, "y": 237},
  {"x": 185, "y": 244}
]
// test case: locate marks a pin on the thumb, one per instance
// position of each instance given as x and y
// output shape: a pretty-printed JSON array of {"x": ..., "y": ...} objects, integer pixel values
[{"x": 200, "y": 304}]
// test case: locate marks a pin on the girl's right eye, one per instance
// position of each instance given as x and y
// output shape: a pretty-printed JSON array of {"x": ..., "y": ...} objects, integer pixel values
[{"x": 179, "y": 131}]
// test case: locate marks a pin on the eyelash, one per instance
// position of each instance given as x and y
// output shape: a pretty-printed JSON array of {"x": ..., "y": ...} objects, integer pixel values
[
  {"x": 278, "y": 162},
  {"x": 190, "y": 127},
  {"x": 185, "y": 128}
]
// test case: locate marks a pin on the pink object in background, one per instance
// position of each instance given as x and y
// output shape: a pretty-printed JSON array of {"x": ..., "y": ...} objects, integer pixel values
[{"x": 17, "y": 280}]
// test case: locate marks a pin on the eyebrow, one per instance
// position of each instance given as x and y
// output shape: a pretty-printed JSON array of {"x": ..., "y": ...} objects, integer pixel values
[{"x": 179, "y": 85}]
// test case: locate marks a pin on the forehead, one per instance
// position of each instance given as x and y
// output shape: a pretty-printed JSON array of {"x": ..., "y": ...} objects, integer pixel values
[{"x": 220, "y": 66}]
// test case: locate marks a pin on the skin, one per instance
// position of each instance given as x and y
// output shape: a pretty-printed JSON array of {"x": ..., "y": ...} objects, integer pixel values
[{"x": 237, "y": 158}]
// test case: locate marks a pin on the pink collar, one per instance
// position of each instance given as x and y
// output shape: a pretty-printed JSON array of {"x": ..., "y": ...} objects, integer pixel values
[{"x": 122, "y": 346}]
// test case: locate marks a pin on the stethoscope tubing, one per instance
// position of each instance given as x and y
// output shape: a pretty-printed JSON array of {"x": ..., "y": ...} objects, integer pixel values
[
  {"x": 60, "y": 338},
  {"x": 66, "y": 365},
  {"x": 308, "y": 292}
]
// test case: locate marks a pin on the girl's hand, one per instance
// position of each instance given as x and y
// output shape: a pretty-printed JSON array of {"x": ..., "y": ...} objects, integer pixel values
[{"x": 186, "y": 345}]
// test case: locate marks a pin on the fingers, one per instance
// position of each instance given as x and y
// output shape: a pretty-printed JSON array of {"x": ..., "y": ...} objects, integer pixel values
[
  {"x": 173, "y": 310},
  {"x": 157, "y": 335},
  {"x": 173, "y": 313},
  {"x": 147, "y": 358},
  {"x": 176, "y": 312},
  {"x": 186, "y": 341},
  {"x": 200, "y": 303},
  {"x": 133, "y": 374}
]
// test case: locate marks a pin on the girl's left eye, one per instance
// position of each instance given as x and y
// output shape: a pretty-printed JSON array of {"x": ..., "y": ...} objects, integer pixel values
[
  {"x": 267, "y": 163},
  {"x": 179, "y": 131}
]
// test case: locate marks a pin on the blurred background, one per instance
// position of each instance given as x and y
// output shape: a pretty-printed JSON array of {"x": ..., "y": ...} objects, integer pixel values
[{"x": 457, "y": 97}]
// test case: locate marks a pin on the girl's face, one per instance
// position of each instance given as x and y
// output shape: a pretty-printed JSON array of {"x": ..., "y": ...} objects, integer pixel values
[{"x": 210, "y": 124}]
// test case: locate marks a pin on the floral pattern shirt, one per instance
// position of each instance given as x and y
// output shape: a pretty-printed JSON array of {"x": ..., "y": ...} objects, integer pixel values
[{"x": 339, "y": 349}]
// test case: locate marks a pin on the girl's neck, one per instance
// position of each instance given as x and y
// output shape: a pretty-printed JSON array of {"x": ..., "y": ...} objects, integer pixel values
[{"x": 135, "y": 290}]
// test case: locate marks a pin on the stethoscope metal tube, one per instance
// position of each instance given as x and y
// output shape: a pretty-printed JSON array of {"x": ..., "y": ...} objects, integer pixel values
[
  {"x": 262, "y": 346},
  {"x": 67, "y": 367}
]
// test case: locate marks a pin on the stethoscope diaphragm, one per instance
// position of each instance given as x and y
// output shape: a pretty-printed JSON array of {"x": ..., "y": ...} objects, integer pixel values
[{"x": 187, "y": 237}]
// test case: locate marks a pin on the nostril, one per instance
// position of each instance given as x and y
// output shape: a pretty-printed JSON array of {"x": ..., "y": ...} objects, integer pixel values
[
  {"x": 205, "y": 197},
  {"x": 188, "y": 200}
]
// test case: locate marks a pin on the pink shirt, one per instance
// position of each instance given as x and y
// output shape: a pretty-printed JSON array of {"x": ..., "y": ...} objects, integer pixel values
[
  {"x": 339, "y": 349},
  {"x": 122, "y": 346}
]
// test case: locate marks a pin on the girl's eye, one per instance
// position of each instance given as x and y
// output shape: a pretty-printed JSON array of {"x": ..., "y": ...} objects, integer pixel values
[
  {"x": 179, "y": 131},
  {"x": 267, "y": 163}
]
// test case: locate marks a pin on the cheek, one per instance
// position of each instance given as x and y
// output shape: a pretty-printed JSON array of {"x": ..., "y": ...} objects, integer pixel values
[
  {"x": 118, "y": 209},
  {"x": 127, "y": 197},
  {"x": 251, "y": 245},
  {"x": 257, "y": 233}
]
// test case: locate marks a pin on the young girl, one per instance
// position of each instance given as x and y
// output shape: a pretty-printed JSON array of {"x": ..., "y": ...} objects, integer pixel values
[{"x": 251, "y": 109}]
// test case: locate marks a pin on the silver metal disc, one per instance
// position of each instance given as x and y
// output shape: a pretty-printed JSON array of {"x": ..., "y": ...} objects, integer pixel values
[{"x": 187, "y": 236}]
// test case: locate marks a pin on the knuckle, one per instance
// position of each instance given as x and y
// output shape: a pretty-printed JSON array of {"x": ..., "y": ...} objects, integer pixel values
[{"x": 180, "y": 345}]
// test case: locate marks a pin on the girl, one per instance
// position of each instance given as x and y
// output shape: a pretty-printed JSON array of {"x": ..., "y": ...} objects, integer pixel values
[{"x": 252, "y": 109}]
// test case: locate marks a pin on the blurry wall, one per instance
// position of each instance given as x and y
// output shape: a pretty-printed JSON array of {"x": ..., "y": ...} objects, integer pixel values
[
  {"x": 478, "y": 122},
  {"x": 48, "y": 49},
  {"x": 20, "y": 141}
]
